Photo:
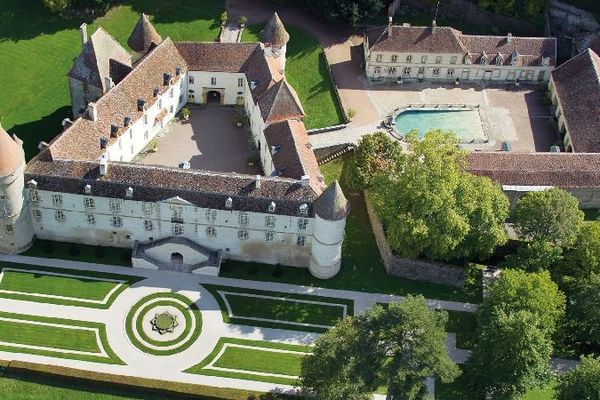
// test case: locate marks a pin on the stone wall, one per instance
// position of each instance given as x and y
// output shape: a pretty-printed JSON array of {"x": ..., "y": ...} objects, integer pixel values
[{"x": 420, "y": 270}]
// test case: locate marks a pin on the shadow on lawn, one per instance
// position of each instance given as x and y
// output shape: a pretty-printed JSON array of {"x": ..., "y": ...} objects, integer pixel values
[{"x": 166, "y": 11}]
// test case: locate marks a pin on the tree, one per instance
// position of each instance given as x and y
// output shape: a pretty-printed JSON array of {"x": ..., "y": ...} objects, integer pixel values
[
  {"x": 517, "y": 322},
  {"x": 518, "y": 8},
  {"x": 583, "y": 313},
  {"x": 398, "y": 347},
  {"x": 581, "y": 383},
  {"x": 551, "y": 215},
  {"x": 535, "y": 257},
  {"x": 584, "y": 257},
  {"x": 431, "y": 208},
  {"x": 56, "y": 5},
  {"x": 374, "y": 154}
]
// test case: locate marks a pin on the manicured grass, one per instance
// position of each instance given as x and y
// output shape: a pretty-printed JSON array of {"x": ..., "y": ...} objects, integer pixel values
[
  {"x": 41, "y": 284},
  {"x": 464, "y": 324},
  {"x": 362, "y": 268},
  {"x": 80, "y": 252},
  {"x": 37, "y": 49},
  {"x": 253, "y": 360},
  {"x": 281, "y": 307},
  {"x": 62, "y": 334},
  {"x": 306, "y": 71},
  {"x": 166, "y": 299}
]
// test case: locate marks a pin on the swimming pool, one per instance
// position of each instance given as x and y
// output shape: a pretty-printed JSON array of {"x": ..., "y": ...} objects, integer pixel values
[{"x": 466, "y": 123}]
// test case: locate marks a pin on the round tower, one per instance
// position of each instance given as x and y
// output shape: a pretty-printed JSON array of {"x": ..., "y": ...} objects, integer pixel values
[
  {"x": 331, "y": 209},
  {"x": 143, "y": 38},
  {"x": 16, "y": 230},
  {"x": 275, "y": 39}
]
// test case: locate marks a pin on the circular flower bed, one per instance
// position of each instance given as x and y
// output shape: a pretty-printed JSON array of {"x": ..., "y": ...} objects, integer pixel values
[{"x": 163, "y": 323}]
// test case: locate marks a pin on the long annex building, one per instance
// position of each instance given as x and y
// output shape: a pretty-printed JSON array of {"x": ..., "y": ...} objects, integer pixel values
[{"x": 85, "y": 186}]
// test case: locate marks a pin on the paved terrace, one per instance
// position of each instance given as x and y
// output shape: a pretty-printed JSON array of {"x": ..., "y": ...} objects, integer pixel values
[{"x": 209, "y": 140}]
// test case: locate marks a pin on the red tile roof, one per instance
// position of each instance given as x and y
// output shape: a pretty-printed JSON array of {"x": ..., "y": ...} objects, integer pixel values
[{"x": 143, "y": 36}]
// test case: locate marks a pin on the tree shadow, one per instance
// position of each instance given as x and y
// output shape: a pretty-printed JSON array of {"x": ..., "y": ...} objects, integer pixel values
[{"x": 167, "y": 11}]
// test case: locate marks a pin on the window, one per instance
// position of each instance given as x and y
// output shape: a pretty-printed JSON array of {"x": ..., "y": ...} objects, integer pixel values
[
  {"x": 304, "y": 209},
  {"x": 145, "y": 119},
  {"x": 379, "y": 57},
  {"x": 211, "y": 231},
  {"x": 147, "y": 208},
  {"x": 450, "y": 72},
  {"x": 59, "y": 216},
  {"x": 146, "y": 135},
  {"x": 408, "y": 59},
  {"x": 131, "y": 134},
  {"x": 148, "y": 225},
  {"x": 392, "y": 71},
  {"x": 436, "y": 71},
  {"x": 377, "y": 70},
  {"x": 180, "y": 99},
  {"x": 177, "y": 214},
  {"x": 171, "y": 93},
  {"x": 394, "y": 58},
  {"x": 269, "y": 221},
  {"x": 424, "y": 60},
  {"x": 302, "y": 223},
  {"x": 91, "y": 219},
  {"x": 115, "y": 205},
  {"x": 171, "y": 108},
  {"x": 438, "y": 59},
  {"x": 421, "y": 70},
  {"x": 406, "y": 71},
  {"x": 9, "y": 229},
  {"x": 243, "y": 218},
  {"x": 301, "y": 240},
  {"x": 37, "y": 214},
  {"x": 269, "y": 236},
  {"x": 159, "y": 104},
  {"x": 116, "y": 222},
  {"x": 241, "y": 82},
  {"x": 453, "y": 60},
  {"x": 213, "y": 81},
  {"x": 88, "y": 202},
  {"x": 243, "y": 234},
  {"x": 131, "y": 149},
  {"x": 176, "y": 229},
  {"x": 191, "y": 79},
  {"x": 34, "y": 196},
  {"x": 57, "y": 200},
  {"x": 211, "y": 215},
  {"x": 120, "y": 145}
]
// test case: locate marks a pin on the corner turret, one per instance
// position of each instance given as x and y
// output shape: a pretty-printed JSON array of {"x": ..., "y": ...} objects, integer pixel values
[
  {"x": 275, "y": 39},
  {"x": 16, "y": 230},
  {"x": 143, "y": 38},
  {"x": 331, "y": 209}
]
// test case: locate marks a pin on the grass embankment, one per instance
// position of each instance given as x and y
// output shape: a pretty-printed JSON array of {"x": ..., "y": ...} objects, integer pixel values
[
  {"x": 80, "y": 252},
  {"x": 282, "y": 310},
  {"x": 306, "y": 70},
  {"x": 52, "y": 285}
]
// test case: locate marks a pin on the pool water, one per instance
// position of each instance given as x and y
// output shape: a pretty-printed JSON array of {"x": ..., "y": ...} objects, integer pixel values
[{"x": 466, "y": 124}]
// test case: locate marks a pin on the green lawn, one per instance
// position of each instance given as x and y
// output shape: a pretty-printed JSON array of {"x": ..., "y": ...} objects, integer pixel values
[
  {"x": 54, "y": 337},
  {"x": 46, "y": 285},
  {"x": 253, "y": 360},
  {"x": 37, "y": 49},
  {"x": 464, "y": 324},
  {"x": 284, "y": 307},
  {"x": 362, "y": 268},
  {"x": 306, "y": 70}
]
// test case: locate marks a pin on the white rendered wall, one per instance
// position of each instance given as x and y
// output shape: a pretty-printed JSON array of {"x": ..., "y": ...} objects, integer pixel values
[
  {"x": 327, "y": 247},
  {"x": 225, "y": 81}
]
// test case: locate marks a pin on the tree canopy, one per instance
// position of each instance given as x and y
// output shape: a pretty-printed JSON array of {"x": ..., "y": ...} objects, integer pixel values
[
  {"x": 551, "y": 215},
  {"x": 432, "y": 208},
  {"x": 516, "y": 8},
  {"x": 535, "y": 257},
  {"x": 397, "y": 347},
  {"x": 581, "y": 383},
  {"x": 583, "y": 312},
  {"x": 354, "y": 12},
  {"x": 583, "y": 258},
  {"x": 374, "y": 155}
]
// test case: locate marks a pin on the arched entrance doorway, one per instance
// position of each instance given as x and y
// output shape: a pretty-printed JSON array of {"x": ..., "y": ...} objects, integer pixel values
[
  {"x": 213, "y": 97},
  {"x": 177, "y": 259}
]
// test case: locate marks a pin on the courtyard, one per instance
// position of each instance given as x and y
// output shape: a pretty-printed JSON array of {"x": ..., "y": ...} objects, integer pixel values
[{"x": 209, "y": 140}]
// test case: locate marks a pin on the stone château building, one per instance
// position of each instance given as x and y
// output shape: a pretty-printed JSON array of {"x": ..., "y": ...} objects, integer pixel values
[{"x": 84, "y": 187}]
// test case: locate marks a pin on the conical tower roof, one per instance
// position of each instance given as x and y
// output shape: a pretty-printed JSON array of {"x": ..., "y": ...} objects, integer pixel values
[
  {"x": 11, "y": 154},
  {"x": 280, "y": 102},
  {"x": 274, "y": 32},
  {"x": 143, "y": 36},
  {"x": 332, "y": 205}
]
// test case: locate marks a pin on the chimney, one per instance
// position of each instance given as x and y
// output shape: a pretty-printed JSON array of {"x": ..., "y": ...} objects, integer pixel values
[
  {"x": 509, "y": 37},
  {"x": 129, "y": 192},
  {"x": 84, "y": 37},
  {"x": 389, "y": 30},
  {"x": 103, "y": 165},
  {"x": 305, "y": 180},
  {"x": 108, "y": 83},
  {"x": 92, "y": 111},
  {"x": 433, "y": 26},
  {"x": 258, "y": 182}
]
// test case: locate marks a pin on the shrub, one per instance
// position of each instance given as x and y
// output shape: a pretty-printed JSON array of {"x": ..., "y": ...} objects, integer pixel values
[
  {"x": 99, "y": 252},
  {"x": 351, "y": 113},
  {"x": 278, "y": 271},
  {"x": 185, "y": 113},
  {"x": 74, "y": 250},
  {"x": 48, "y": 247},
  {"x": 243, "y": 20},
  {"x": 224, "y": 18},
  {"x": 126, "y": 255}
]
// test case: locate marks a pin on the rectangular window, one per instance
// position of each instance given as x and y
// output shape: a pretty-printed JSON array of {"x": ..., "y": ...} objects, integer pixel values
[
  {"x": 191, "y": 79},
  {"x": 243, "y": 218},
  {"x": 243, "y": 234},
  {"x": 116, "y": 222},
  {"x": 9, "y": 229},
  {"x": 147, "y": 208},
  {"x": 436, "y": 71},
  {"x": 146, "y": 135},
  {"x": 34, "y": 196},
  {"x": 407, "y": 71},
  {"x": 159, "y": 104},
  {"x": 379, "y": 57},
  {"x": 148, "y": 225},
  {"x": 424, "y": 60},
  {"x": 301, "y": 240},
  {"x": 177, "y": 214},
  {"x": 57, "y": 200},
  {"x": 89, "y": 202},
  {"x": 450, "y": 72},
  {"x": 269, "y": 236},
  {"x": 453, "y": 60},
  {"x": 37, "y": 214},
  {"x": 176, "y": 229},
  {"x": 145, "y": 119},
  {"x": 269, "y": 221},
  {"x": 213, "y": 81},
  {"x": 392, "y": 71},
  {"x": 211, "y": 231},
  {"x": 241, "y": 82},
  {"x": 438, "y": 59},
  {"x": 421, "y": 70},
  {"x": 59, "y": 216},
  {"x": 408, "y": 59},
  {"x": 377, "y": 70},
  {"x": 171, "y": 93},
  {"x": 91, "y": 219},
  {"x": 115, "y": 205},
  {"x": 131, "y": 134},
  {"x": 302, "y": 223},
  {"x": 394, "y": 58},
  {"x": 171, "y": 108},
  {"x": 211, "y": 215}
]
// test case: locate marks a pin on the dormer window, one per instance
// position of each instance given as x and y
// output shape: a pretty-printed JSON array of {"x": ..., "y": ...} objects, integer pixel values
[
  {"x": 87, "y": 189},
  {"x": 499, "y": 59},
  {"x": 177, "y": 71},
  {"x": 114, "y": 129},
  {"x": 141, "y": 104},
  {"x": 166, "y": 79},
  {"x": 275, "y": 149},
  {"x": 129, "y": 192},
  {"x": 253, "y": 85},
  {"x": 484, "y": 59},
  {"x": 514, "y": 57},
  {"x": 272, "y": 207},
  {"x": 103, "y": 142},
  {"x": 229, "y": 202},
  {"x": 304, "y": 210},
  {"x": 468, "y": 59},
  {"x": 156, "y": 92},
  {"x": 127, "y": 121}
]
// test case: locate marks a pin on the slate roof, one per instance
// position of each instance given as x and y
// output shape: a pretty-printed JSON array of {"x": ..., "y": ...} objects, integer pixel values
[
  {"x": 332, "y": 204},
  {"x": 564, "y": 170},
  {"x": 274, "y": 32},
  {"x": 447, "y": 40},
  {"x": 143, "y": 36},
  {"x": 280, "y": 102},
  {"x": 157, "y": 183},
  {"x": 93, "y": 64},
  {"x": 11, "y": 154},
  {"x": 577, "y": 84}
]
